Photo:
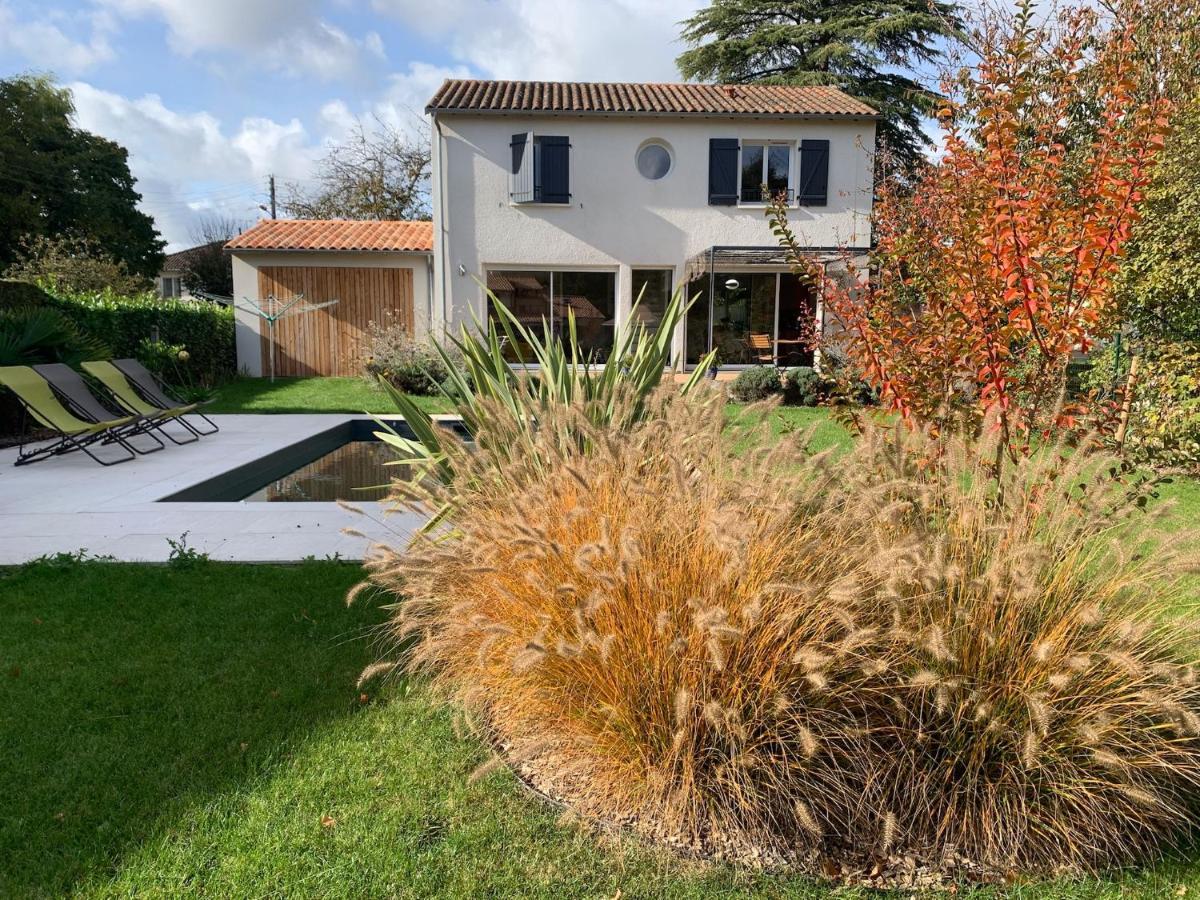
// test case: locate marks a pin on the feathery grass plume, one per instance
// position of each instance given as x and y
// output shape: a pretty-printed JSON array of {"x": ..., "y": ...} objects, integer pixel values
[
  {"x": 887, "y": 835},
  {"x": 806, "y": 819},
  {"x": 861, "y": 658}
]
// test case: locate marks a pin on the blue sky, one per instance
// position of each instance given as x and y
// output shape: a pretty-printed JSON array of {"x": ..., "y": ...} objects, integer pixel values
[{"x": 211, "y": 96}]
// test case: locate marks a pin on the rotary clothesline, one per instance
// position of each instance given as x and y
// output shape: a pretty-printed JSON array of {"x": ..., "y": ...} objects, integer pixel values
[{"x": 270, "y": 310}]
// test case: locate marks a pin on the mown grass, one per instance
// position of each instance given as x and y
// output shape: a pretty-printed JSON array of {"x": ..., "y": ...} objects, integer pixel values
[
  {"x": 308, "y": 395},
  {"x": 185, "y": 731},
  {"x": 171, "y": 731}
]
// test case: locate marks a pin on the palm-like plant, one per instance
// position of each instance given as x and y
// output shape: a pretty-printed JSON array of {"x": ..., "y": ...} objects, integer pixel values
[{"x": 40, "y": 334}]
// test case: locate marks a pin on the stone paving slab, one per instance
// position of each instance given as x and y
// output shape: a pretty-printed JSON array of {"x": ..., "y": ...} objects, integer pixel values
[{"x": 70, "y": 503}]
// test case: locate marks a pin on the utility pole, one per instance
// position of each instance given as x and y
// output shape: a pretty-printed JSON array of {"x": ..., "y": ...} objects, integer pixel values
[{"x": 272, "y": 181}]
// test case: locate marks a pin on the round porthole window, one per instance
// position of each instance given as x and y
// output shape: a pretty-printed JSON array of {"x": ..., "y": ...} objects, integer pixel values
[{"x": 653, "y": 161}]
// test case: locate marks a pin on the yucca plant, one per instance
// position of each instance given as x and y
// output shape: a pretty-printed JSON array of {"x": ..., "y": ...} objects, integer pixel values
[
  {"x": 479, "y": 374},
  {"x": 781, "y": 654}
]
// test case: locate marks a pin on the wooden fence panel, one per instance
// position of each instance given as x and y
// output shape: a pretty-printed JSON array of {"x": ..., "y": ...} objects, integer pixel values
[{"x": 329, "y": 341}]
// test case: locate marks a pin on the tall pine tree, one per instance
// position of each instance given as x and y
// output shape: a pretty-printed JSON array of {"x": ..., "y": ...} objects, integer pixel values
[{"x": 860, "y": 46}]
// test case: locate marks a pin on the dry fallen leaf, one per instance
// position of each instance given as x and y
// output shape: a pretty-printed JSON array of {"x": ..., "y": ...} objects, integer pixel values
[
  {"x": 363, "y": 698},
  {"x": 328, "y": 821}
]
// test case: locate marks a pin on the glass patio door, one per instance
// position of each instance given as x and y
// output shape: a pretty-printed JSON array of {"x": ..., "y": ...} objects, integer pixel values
[
  {"x": 759, "y": 318},
  {"x": 743, "y": 318},
  {"x": 538, "y": 297}
]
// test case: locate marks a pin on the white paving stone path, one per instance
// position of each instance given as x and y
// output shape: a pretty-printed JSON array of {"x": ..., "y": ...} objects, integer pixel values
[{"x": 70, "y": 503}]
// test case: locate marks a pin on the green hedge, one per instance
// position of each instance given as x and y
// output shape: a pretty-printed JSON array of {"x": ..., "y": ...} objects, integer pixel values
[{"x": 125, "y": 324}]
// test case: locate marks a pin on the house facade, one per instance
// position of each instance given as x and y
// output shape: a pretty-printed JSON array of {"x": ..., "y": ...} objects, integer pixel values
[{"x": 561, "y": 198}]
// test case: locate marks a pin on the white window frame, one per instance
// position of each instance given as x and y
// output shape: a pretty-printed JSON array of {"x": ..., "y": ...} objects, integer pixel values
[{"x": 766, "y": 144}]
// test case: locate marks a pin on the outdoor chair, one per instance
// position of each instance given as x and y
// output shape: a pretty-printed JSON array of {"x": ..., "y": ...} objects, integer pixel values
[
  {"x": 132, "y": 385},
  {"x": 153, "y": 389},
  {"x": 762, "y": 349},
  {"x": 74, "y": 391},
  {"x": 43, "y": 406}
]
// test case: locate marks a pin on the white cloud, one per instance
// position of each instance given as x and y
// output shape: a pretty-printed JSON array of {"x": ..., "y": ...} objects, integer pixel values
[
  {"x": 187, "y": 165},
  {"x": 402, "y": 104},
  {"x": 283, "y": 35},
  {"x": 46, "y": 44},
  {"x": 593, "y": 40}
]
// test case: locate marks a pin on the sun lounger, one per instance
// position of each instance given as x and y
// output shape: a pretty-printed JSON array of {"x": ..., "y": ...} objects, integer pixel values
[
  {"x": 139, "y": 393},
  {"x": 41, "y": 404},
  {"x": 79, "y": 399}
]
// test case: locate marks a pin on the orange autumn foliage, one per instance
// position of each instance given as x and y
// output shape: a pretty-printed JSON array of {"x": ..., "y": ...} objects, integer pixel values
[{"x": 999, "y": 258}]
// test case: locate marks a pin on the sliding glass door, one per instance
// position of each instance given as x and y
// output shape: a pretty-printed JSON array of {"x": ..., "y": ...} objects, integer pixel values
[
  {"x": 550, "y": 297},
  {"x": 743, "y": 318},
  {"x": 752, "y": 318}
]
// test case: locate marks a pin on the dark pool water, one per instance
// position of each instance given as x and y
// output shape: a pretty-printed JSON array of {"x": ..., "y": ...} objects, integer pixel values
[{"x": 355, "y": 471}]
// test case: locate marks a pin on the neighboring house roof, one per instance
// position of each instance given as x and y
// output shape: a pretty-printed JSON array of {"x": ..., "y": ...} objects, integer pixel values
[
  {"x": 336, "y": 234},
  {"x": 584, "y": 98},
  {"x": 181, "y": 260}
]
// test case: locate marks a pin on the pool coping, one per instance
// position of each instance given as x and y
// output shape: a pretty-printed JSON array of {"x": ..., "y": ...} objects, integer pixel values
[{"x": 69, "y": 503}]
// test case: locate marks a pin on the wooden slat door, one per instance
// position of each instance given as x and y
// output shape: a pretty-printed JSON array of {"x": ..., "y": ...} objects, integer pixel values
[{"x": 329, "y": 341}]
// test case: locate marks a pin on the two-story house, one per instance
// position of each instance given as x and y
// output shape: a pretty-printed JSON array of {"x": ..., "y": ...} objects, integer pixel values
[
  {"x": 583, "y": 197},
  {"x": 559, "y": 198}
]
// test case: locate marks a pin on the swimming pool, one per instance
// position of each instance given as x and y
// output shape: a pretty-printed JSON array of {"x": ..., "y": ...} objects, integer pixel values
[{"x": 345, "y": 462}]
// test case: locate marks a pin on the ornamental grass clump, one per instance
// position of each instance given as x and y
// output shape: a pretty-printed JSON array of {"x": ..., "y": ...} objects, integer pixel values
[{"x": 784, "y": 654}]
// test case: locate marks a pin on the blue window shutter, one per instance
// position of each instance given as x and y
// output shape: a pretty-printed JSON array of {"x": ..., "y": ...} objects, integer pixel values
[
  {"x": 521, "y": 186},
  {"x": 553, "y": 178},
  {"x": 722, "y": 172},
  {"x": 814, "y": 173}
]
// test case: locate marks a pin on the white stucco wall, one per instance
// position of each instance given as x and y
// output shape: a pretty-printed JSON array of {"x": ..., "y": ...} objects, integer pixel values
[
  {"x": 617, "y": 220},
  {"x": 245, "y": 285}
]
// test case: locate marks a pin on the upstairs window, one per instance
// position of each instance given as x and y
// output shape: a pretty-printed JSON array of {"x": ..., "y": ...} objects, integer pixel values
[
  {"x": 739, "y": 170},
  {"x": 541, "y": 169},
  {"x": 765, "y": 164}
]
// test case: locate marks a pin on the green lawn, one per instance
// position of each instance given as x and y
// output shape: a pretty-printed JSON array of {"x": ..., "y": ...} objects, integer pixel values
[
  {"x": 305, "y": 395},
  {"x": 197, "y": 731},
  {"x": 192, "y": 731}
]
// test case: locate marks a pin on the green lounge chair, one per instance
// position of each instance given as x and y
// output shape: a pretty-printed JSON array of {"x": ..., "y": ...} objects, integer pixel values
[
  {"x": 73, "y": 391},
  {"x": 130, "y": 393},
  {"x": 41, "y": 404}
]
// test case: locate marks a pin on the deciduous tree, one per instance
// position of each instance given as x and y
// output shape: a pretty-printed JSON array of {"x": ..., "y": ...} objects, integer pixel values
[
  {"x": 57, "y": 179},
  {"x": 1001, "y": 259},
  {"x": 209, "y": 269},
  {"x": 380, "y": 173},
  {"x": 74, "y": 264}
]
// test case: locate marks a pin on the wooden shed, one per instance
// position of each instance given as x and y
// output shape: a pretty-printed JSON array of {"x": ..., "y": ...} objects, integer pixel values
[{"x": 376, "y": 271}]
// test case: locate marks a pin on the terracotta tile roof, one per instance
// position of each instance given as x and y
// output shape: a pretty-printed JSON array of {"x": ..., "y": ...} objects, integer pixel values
[
  {"x": 584, "y": 98},
  {"x": 335, "y": 234}
]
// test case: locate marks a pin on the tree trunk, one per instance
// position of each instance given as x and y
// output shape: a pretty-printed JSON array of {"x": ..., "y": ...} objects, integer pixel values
[{"x": 1127, "y": 401}]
